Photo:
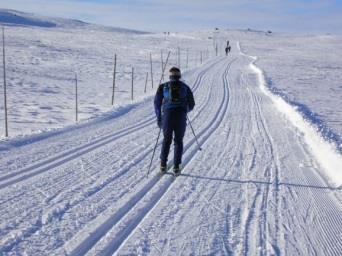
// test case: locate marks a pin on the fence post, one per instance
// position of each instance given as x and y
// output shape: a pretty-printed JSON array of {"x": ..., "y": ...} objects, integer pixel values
[
  {"x": 162, "y": 61},
  {"x": 151, "y": 70},
  {"x": 5, "y": 87},
  {"x": 146, "y": 82},
  {"x": 187, "y": 57},
  {"x": 76, "y": 98},
  {"x": 162, "y": 66},
  {"x": 114, "y": 76},
  {"x": 167, "y": 59},
  {"x": 132, "y": 96},
  {"x": 179, "y": 60},
  {"x": 201, "y": 58}
]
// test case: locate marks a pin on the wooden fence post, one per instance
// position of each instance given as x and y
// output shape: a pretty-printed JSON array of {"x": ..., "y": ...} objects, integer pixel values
[
  {"x": 114, "y": 76},
  {"x": 167, "y": 59},
  {"x": 162, "y": 61},
  {"x": 146, "y": 82},
  {"x": 76, "y": 98},
  {"x": 132, "y": 96},
  {"x": 151, "y": 70},
  {"x": 5, "y": 86}
]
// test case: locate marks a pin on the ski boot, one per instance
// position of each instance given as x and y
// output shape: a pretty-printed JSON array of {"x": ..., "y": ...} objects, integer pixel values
[
  {"x": 176, "y": 170},
  {"x": 163, "y": 168}
]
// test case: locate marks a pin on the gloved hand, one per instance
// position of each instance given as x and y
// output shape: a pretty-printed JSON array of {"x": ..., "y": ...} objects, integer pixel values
[{"x": 159, "y": 122}]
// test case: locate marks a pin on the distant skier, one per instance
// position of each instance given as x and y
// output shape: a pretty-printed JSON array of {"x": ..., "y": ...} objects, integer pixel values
[
  {"x": 172, "y": 102},
  {"x": 228, "y": 48}
]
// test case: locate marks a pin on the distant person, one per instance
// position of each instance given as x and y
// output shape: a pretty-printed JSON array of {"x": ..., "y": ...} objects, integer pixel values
[
  {"x": 172, "y": 102},
  {"x": 228, "y": 48}
]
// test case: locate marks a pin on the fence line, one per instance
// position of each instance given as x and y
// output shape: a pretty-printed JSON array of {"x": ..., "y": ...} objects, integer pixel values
[{"x": 177, "y": 51}]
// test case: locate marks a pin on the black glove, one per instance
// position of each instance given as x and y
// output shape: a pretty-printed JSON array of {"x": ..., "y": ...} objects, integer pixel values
[{"x": 159, "y": 122}]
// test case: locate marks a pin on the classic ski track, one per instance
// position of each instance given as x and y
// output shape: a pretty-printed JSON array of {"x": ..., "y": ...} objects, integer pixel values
[
  {"x": 68, "y": 204},
  {"x": 316, "y": 199},
  {"x": 265, "y": 193},
  {"x": 114, "y": 220},
  {"x": 69, "y": 155},
  {"x": 324, "y": 203}
]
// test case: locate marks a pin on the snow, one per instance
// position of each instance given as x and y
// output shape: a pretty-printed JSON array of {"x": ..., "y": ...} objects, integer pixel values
[
  {"x": 41, "y": 64},
  {"x": 325, "y": 152},
  {"x": 306, "y": 71},
  {"x": 266, "y": 181}
]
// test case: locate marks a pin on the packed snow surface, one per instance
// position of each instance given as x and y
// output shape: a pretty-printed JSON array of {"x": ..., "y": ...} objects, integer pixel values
[{"x": 267, "y": 182}]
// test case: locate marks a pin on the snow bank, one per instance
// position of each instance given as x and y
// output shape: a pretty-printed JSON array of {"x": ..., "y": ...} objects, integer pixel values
[{"x": 324, "y": 151}]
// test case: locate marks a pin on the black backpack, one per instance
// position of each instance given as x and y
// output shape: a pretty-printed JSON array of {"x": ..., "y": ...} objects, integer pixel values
[
  {"x": 175, "y": 92},
  {"x": 175, "y": 95}
]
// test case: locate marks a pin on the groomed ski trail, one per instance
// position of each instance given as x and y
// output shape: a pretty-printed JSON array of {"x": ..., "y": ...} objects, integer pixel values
[{"x": 254, "y": 189}]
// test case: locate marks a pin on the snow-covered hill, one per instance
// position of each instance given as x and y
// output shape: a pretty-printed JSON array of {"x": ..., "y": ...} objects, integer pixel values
[{"x": 17, "y": 18}]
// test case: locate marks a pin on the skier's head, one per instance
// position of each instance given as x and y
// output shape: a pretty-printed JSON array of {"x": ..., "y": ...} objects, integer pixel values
[{"x": 175, "y": 73}]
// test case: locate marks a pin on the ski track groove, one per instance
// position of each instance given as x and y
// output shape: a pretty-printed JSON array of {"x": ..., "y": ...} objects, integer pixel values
[{"x": 275, "y": 180}]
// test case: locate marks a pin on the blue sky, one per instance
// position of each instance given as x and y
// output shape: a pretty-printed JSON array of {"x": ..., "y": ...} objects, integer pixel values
[{"x": 181, "y": 15}]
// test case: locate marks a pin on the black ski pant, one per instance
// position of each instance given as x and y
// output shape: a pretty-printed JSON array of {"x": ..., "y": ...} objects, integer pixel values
[{"x": 173, "y": 125}]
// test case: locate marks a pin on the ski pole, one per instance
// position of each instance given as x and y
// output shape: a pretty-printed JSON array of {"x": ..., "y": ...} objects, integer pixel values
[
  {"x": 193, "y": 132},
  {"x": 154, "y": 150}
]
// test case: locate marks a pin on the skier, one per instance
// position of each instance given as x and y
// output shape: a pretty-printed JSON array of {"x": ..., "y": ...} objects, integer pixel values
[
  {"x": 227, "y": 50},
  {"x": 172, "y": 102}
]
